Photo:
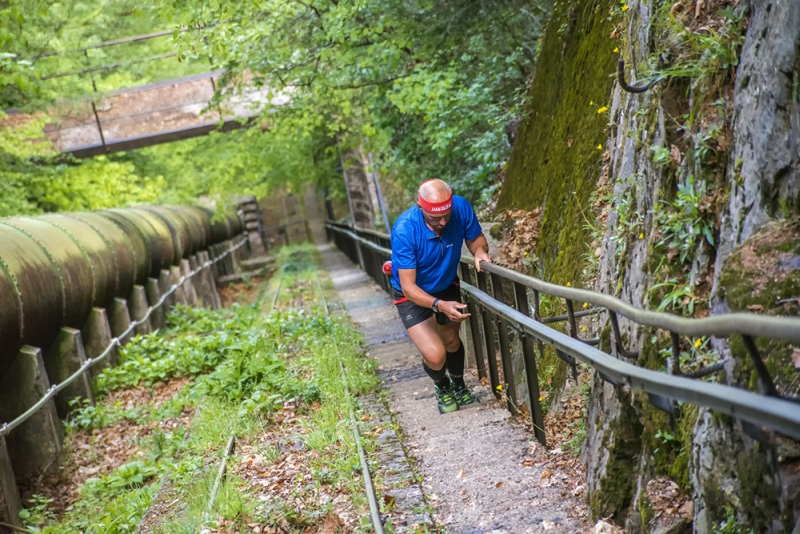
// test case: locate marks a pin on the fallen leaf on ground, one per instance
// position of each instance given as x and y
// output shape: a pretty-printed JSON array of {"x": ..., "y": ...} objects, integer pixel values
[
  {"x": 331, "y": 524},
  {"x": 462, "y": 474},
  {"x": 601, "y": 527},
  {"x": 547, "y": 473}
]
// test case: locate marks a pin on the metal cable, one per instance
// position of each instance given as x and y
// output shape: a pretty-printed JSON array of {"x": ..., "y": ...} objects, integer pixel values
[{"x": 6, "y": 428}]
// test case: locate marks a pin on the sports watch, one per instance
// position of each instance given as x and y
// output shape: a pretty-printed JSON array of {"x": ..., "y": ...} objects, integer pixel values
[{"x": 435, "y": 305}]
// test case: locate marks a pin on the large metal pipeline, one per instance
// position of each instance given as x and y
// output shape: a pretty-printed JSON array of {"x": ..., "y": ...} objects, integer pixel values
[{"x": 55, "y": 268}]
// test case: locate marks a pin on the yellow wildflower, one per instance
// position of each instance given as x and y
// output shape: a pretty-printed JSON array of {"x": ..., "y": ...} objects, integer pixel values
[
  {"x": 568, "y": 284},
  {"x": 591, "y": 102},
  {"x": 616, "y": 49},
  {"x": 599, "y": 147},
  {"x": 641, "y": 236},
  {"x": 603, "y": 109},
  {"x": 625, "y": 7},
  {"x": 698, "y": 343},
  {"x": 585, "y": 304}
]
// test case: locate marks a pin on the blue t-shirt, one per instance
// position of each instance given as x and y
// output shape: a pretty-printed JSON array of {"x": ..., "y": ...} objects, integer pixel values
[{"x": 415, "y": 246}]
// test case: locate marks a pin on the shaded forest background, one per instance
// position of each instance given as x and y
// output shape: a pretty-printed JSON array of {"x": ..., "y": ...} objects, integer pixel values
[{"x": 428, "y": 88}]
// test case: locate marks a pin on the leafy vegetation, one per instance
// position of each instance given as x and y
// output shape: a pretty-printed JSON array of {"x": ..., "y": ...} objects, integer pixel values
[
  {"x": 427, "y": 87},
  {"x": 247, "y": 369}
]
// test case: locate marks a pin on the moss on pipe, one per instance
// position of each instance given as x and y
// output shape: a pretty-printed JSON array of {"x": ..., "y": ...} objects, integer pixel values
[
  {"x": 10, "y": 315},
  {"x": 177, "y": 227},
  {"x": 54, "y": 268},
  {"x": 158, "y": 237},
  {"x": 73, "y": 266},
  {"x": 138, "y": 240},
  {"x": 198, "y": 224},
  {"x": 205, "y": 222},
  {"x": 29, "y": 266},
  {"x": 122, "y": 249},
  {"x": 100, "y": 256}
]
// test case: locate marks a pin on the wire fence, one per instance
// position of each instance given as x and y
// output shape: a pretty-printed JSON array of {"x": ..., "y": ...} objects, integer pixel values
[{"x": 6, "y": 428}]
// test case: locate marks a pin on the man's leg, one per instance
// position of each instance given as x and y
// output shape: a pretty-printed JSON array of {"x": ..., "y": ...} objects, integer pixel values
[
  {"x": 455, "y": 362},
  {"x": 426, "y": 338}
]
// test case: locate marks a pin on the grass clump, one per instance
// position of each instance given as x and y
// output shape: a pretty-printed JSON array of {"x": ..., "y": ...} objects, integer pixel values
[{"x": 246, "y": 369}]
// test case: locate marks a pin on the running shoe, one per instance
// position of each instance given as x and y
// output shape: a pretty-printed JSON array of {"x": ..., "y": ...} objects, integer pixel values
[
  {"x": 444, "y": 396},
  {"x": 464, "y": 395}
]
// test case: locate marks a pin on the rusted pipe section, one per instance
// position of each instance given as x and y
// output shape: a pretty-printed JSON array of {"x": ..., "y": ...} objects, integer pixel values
[{"x": 55, "y": 268}]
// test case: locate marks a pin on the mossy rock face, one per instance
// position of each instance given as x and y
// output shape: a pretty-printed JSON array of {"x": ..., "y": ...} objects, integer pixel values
[
  {"x": 763, "y": 276},
  {"x": 615, "y": 492},
  {"x": 555, "y": 162}
]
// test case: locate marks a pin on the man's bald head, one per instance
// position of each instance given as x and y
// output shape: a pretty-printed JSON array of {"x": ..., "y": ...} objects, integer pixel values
[{"x": 435, "y": 190}]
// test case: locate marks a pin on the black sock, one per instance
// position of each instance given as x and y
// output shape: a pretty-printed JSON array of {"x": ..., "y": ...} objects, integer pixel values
[
  {"x": 455, "y": 366},
  {"x": 439, "y": 377}
]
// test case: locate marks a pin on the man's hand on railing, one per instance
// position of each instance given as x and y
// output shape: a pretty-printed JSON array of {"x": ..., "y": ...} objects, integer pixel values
[
  {"x": 454, "y": 310},
  {"x": 481, "y": 255}
]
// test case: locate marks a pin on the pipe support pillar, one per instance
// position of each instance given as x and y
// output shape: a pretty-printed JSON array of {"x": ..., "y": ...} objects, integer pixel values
[
  {"x": 65, "y": 356},
  {"x": 188, "y": 284},
  {"x": 35, "y": 445},
  {"x": 164, "y": 284},
  {"x": 120, "y": 320},
  {"x": 9, "y": 496},
  {"x": 138, "y": 310},
  {"x": 180, "y": 293},
  {"x": 158, "y": 318},
  {"x": 97, "y": 336}
]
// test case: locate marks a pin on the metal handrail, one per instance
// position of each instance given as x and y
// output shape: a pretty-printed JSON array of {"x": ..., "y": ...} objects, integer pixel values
[
  {"x": 761, "y": 410},
  {"x": 779, "y": 414},
  {"x": 6, "y": 428},
  {"x": 718, "y": 326},
  {"x": 751, "y": 324}
]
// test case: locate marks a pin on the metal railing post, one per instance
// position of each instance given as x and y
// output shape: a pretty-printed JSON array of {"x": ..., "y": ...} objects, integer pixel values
[
  {"x": 477, "y": 342},
  {"x": 505, "y": 348},
  {"x": 531, "y": 371},
  {"x": 488, "y": 338}
]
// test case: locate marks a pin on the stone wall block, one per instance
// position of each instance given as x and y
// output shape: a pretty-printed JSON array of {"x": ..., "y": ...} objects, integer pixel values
[
  {"x": 201, "y": 285},
  {"x": 138, "y": 309},
  {"x": 188, "y": 284},
  {"x": 208, "y": 281},
  {"x": 64, "y": 358},
  {"x": 180, "y": 293},
  {"x": 233, "y": 263},
  {"x": 9, "y": 496},
  {"x": 164, "y": 285},
  {"x": 214, "y": 267},
  {"x": 96, "y": 337},
  {"x": 120, "y": 319},
  {"x": 35, "y": 445},
  {"x": 158, "y": 317}
]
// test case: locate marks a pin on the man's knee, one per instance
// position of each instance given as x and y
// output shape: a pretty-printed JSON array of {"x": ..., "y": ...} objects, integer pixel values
[
  {"x": 450, "y": 338},
  {"x": 435, "y": 359}
]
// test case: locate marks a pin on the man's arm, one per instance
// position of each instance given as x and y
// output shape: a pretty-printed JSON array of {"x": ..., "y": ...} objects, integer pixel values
[
  {"x": 479, "y": 248},
  {"x": 417, "y": 295}
]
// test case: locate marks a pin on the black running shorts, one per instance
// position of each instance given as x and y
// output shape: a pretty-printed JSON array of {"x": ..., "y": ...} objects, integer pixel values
[{"x": 412, "y": 314}]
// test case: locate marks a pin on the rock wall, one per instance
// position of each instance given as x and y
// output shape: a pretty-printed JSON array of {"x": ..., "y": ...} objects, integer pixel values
[{"x": 689, "y": 205}]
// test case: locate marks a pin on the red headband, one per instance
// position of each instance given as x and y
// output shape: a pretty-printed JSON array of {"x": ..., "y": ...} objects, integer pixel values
[{"x": 436, "y": 207}]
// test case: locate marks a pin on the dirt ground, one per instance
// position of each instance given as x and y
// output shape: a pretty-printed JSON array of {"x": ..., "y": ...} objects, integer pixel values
[{"x": 482, "y": 470}]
